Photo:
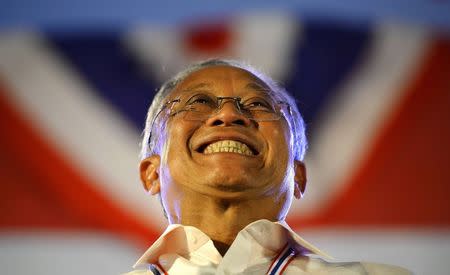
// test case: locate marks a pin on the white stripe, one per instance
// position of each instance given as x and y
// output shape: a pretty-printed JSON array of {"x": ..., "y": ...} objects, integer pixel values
[
  {"x": 159, "y": 269},
  {"x": 67, "y": 112},
  {"x": 282, "y": 266},
  {"x": 151, "y": 267},
  {"x": 87, "y": 253},
  {"x": 277, "y": 260},
  {"x": 421, "y": 251},
  {"x": 353, "y": 119},
  {"x": 265, "y": 39}
]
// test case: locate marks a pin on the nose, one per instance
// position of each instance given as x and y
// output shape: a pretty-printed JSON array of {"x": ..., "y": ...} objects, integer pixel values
[{"x": 228, "y": 115}]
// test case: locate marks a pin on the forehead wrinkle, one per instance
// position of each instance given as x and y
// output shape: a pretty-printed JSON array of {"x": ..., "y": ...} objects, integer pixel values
[
  {"x": 255, "y": 86},
  {"x": 198, "y": 86},
  {"x": 179, "y": 90},
  {"x": 233, "y": 79},
  {"x": 214, "y": 86}
]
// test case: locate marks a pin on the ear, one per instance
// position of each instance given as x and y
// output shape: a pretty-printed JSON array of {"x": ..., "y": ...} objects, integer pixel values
[
  {"x": 299, "y": 179},
  {"x": 149, "y": 171}
]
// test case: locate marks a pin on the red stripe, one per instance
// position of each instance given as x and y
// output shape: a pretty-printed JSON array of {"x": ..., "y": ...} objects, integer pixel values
[
  {"x": 287, "y": 263},
  {"x": 215, "y": 39},
  {"x": 161, "y": 268},
  {"x": 277, "y": 257},
  {"x": 405, "y": 180},
  {"x": 41, "y": 189}
]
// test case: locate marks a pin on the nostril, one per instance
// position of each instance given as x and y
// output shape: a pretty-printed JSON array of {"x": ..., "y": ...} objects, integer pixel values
[
  {"x": 228, "y": 117},
  {"x": 239, "y": 122},
  {"x": 219, "y": 122}
]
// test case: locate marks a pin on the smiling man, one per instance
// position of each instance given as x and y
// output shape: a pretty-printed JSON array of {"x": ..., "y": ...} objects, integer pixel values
[{"x": 223, "y": 149}]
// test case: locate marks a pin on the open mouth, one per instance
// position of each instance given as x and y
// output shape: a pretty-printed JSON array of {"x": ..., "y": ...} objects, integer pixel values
[{"x": 227, "y": 146}]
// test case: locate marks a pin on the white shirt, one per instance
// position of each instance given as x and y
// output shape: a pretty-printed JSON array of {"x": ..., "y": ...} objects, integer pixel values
[{"x": 187, "y": 250}]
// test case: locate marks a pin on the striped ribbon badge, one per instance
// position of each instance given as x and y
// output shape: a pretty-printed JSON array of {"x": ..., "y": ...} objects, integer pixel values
[
  {"x": 277, "y": 267},
  {"x": 157, "y": 269},
  {"x": 282, "y": 260}
]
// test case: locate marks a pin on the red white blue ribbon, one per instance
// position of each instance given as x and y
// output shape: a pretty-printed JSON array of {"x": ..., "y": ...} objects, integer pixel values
[
  {"x": 282, "y": 260},
  {"x": 286, "y": 255},
  {"x": 157, "y": 269}
]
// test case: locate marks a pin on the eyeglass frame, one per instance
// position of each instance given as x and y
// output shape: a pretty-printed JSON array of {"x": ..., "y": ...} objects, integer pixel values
[{"x": 237, "y": 103}]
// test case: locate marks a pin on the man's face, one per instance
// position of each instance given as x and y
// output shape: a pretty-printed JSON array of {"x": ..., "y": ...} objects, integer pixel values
[{"x": 189, "y": 165}]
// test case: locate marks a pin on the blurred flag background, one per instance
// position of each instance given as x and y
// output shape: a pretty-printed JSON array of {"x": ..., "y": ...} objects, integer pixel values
[{"x": 371, "y": 79}]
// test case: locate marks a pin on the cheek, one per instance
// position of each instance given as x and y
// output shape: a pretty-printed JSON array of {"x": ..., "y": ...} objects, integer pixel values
[
  {"x": 278, "y": 139},
  {"x": 171, "y": 170},
  {"x": 279, "y": 157},
  {"x": 177, "y": 134},
  {"x": 175, "y": 153}
]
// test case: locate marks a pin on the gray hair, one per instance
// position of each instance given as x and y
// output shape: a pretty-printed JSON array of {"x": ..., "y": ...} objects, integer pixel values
[{"x": 150, "y": 141}]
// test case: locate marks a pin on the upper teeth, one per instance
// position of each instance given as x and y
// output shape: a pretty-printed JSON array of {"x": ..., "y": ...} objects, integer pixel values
[{"x": 230, "y": 146}]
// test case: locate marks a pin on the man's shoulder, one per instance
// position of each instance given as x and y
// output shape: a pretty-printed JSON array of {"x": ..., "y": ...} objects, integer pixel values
[
  {"x": 376, "y": 268},
  {"x": 315, "y": 265},
  {"x": 138, "y": 272}
]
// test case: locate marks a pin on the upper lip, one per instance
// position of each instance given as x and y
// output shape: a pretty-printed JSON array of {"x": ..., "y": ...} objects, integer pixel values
[{"x": 201, "y": 144}]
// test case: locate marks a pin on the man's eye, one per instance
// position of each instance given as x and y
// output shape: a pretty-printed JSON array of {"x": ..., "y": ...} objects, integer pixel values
[
  {"x": 257, "y": 104},
  {"x": 199, "y": 100}
]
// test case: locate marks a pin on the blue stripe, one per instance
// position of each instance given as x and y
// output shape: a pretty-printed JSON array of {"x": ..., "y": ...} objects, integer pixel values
[
  {"x": 280, "y": 262},
  {"x": 154, "y": 269},
  {"x": 107, "y": 66},
  {"x": 325, "y": 56}
]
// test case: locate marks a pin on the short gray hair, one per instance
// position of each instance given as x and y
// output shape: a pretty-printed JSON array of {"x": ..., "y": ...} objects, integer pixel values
[{"x": 150, "y": 141}]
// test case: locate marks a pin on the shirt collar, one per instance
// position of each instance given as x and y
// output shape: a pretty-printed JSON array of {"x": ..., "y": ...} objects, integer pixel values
[
  {"x": 301, "y": 244},
  {"x": 182, "y": 239}
]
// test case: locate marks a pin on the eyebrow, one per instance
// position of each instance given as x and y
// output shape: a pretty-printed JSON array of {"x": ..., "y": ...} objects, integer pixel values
[
  {"x": 253, "y": 86},
  {"x": 257, "y": 87},
  {"x": 198, "y": 86}
]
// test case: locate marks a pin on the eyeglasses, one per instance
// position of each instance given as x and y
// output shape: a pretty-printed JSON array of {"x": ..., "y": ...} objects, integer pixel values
[{"x": 202, "y": 106}]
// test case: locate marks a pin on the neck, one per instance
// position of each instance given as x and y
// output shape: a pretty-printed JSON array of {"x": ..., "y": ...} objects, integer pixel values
[{"x": 222, "y": 219}]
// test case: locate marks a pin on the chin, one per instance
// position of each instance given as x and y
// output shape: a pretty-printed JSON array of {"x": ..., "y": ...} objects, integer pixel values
[
  {"x": 229, "y": 186},
  {"x": 238, "y": 182}
]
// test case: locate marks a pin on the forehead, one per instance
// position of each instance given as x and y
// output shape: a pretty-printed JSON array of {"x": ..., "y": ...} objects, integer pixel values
[{"x": 220, "y": 78}]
